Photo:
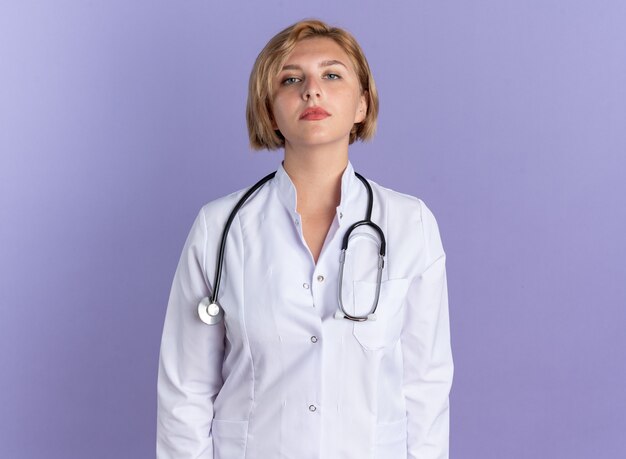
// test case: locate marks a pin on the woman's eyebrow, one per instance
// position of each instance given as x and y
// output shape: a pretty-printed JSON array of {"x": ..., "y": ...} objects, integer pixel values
[{"x": 322, "y": 64}]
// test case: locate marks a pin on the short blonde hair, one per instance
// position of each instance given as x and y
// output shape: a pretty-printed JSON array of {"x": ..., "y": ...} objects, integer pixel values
[{"x": 268, "y": 64}]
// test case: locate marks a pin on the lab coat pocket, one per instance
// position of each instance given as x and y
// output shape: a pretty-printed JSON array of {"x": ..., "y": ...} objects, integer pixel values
[
  {"x": 385, "y": 330},
  {"x": 229, "y": 439},
  {"x": 391, "y": 440}
]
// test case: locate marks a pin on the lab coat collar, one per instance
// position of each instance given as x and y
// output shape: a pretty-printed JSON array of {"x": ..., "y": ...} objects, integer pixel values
[{"x": 287, "y": 191}]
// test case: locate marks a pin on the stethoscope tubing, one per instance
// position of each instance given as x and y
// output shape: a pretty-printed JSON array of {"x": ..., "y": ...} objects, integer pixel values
[
  {"x": 231, "y": 217},
  {"x": 211, "y": 312}
]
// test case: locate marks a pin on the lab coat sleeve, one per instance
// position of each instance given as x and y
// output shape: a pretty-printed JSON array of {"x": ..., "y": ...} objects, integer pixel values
[
  {"x": 426, "y": 350},
  {"x": 190, "y": 360}
]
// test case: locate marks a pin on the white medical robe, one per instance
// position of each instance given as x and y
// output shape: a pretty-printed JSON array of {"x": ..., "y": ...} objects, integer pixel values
[{"x": 281, "y": 377}]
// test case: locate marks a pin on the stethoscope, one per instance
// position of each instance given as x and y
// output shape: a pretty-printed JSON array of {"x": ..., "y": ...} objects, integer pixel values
[{"x": 211, "y": 312}]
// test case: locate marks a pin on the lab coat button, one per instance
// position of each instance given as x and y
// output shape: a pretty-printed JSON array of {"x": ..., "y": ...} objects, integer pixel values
[
  {"x": 305, "y": 285},
  {"x": 312, "y": 408},
  {"x": 314, "y": 339},
  {"x": 320, "y": 278}
]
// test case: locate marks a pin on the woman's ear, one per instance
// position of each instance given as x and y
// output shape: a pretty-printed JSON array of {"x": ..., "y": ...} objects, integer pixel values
[{"x": 362, "y": 109}]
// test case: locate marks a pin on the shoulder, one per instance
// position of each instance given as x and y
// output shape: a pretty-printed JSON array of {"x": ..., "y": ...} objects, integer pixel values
[
  {"x": 410, "y": 212},
  {"x": 219, "y": 208},
  {"x": 212, "y": 215},
  {"x": 411, "y": 207}
]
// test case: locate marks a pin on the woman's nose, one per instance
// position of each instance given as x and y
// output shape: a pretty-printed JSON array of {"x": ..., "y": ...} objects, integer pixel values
[{"x": 311, "y": 89}]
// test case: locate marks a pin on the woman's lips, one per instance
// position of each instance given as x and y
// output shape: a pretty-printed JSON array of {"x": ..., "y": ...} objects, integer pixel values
[{"x": 314, "y": 113}]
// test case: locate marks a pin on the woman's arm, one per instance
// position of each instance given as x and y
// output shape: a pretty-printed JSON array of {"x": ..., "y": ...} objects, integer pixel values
[
  {"x": 190, "y": 362},
  {"x": 428, "y": 366}
]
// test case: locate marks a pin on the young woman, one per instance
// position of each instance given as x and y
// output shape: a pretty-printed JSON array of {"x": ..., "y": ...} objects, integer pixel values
[{"x": 308, "y": 350}]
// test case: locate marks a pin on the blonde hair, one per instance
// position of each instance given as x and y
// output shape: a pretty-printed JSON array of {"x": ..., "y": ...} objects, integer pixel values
[{"x": 268, "y": 64}]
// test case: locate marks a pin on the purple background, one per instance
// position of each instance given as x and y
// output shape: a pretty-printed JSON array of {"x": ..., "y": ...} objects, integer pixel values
[{"x": 119, "y": 119}]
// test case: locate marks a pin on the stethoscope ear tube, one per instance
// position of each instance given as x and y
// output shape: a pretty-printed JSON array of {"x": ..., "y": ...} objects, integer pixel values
[
  {"x": 381, "y": 258},
  {"x": 371, "y": 224},
  {"x": 341, "y": 313}
]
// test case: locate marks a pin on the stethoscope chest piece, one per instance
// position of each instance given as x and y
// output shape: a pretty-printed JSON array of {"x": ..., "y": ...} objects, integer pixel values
[{"x": 210, "y": 313}]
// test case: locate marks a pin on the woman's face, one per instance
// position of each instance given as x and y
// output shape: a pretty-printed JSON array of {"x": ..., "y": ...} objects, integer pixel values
[{"x": 319, "y": 75}]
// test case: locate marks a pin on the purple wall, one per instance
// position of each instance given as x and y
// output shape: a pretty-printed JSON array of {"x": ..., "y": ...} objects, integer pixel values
[{"x": 119, "y": 119}]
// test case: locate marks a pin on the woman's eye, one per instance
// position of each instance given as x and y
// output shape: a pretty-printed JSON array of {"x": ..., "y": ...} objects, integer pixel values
[
  {"x": 332, "y": 76},
  {"x": 290, "y": 80}
]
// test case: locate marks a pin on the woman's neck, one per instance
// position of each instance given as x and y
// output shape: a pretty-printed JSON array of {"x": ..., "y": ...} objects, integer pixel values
[{"x": 316, "y": 174}]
